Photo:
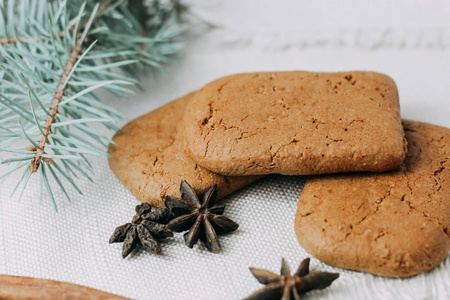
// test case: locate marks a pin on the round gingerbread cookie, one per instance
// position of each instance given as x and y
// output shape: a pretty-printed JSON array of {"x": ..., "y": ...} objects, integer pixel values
[
  {"x": 393, "y": 224},
  {"x": 150, "y": 161}
]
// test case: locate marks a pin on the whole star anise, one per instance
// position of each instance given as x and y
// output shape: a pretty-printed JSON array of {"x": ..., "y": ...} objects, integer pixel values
[
  {"x": 286, "y": 286},
  {"x": 203, "y": 218},
  {"x": 145, "y": 228}
]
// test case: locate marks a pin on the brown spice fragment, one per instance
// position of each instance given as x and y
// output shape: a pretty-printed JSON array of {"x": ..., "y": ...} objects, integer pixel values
[{"x": 15, "y": 287}]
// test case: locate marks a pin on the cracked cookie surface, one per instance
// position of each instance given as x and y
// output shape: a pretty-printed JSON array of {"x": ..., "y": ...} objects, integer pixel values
[
  {"x": 296, "y": 123},
  {"x": 150, "y": 161},
  {"x": 392, "y": 224}
]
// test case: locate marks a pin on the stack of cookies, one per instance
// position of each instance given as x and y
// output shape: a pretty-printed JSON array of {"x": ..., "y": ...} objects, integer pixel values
[{"x": 390, "y": 216}]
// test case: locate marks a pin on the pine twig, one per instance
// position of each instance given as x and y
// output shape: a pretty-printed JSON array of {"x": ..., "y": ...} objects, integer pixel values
[
  {"x": 25, "y": 39},
  {"x": 101, "y": 8},
  {"x": 50, "y": 70},
  {"x": 36, "y": 162},
  {"x": 14, "y": 40},
  {"x": 62, "y": 86}
]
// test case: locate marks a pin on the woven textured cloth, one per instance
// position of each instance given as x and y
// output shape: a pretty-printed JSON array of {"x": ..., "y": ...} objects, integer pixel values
[{"x": 72, "y": 245}]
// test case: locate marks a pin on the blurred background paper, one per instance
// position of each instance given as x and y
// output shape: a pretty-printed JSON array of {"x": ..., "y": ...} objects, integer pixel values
[{"x": 408, "y": 40}]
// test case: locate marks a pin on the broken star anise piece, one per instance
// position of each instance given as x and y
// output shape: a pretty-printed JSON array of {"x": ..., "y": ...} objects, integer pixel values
[
  {"x": 145, "y": 228},
  {"x": 286, "y": 286},
  {"x": 202, "y": 218}
]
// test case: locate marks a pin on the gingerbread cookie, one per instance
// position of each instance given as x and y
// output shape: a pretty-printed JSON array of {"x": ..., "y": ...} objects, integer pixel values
[
  {"x": 150, "y": 161},
  {"x": 296, "y": 123},
  {"x": 391, "y": 224}
]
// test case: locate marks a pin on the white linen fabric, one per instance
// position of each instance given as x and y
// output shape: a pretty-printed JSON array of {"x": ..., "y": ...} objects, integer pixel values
[{"x": 408, "y": 42}]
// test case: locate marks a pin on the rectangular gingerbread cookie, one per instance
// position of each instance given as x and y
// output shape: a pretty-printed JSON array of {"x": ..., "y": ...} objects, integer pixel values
[{"x": 296, "y": 123}]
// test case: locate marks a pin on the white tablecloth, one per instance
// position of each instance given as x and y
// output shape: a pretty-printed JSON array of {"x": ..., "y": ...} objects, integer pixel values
[{"x": 408, "y": 40}]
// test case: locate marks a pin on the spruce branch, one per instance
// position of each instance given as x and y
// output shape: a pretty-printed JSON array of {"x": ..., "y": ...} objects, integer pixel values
[
  {"x": 24, "y": 39},
  {"x": 13, "y": 40},
  {"x": 35, "y": 163},
  {"x": 54, "y": 55},
  {"x": 62, "y": 86}
]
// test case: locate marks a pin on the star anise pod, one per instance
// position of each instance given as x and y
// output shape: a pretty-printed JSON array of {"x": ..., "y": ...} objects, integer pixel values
[
  {"x": 203, "y": 218},
  {"x": 145, "y": 228},
  {"x": 286, "y": 286}
]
